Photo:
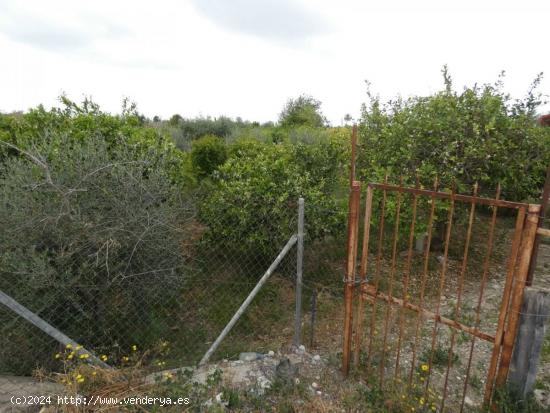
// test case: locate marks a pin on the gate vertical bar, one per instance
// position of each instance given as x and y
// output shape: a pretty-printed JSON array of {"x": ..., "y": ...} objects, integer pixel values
[
  {"x": 442, "y": 280},
  {"x": 299, "y": 273},
  {"x": 526, "y": 251},
  {"x": 353, "y": 155},
  {"x": 514, "y": 248},
  {"x": 363, "y": 277},
  {"x": 544, "y": 206},
  {"x": 377, "y": 277},
  {"x": 420, "y": 315},
  {"x": 458, "y": 307},
  {"x": 392, "y": 276},
  {"x": 353, "y": 219},
  {"x": 484, "y": 277},
  {"x": 407, "y": 274}
]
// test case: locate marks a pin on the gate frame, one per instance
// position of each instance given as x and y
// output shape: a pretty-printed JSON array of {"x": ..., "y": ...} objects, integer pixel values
[{"x": 521, "y": 252}]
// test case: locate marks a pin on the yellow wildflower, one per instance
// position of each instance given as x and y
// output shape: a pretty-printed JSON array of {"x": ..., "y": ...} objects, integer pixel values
[
  {"x": 80, "y": 380},
  {"x": 84, "y": 356},
  {"x": 422, "y": 401},
  {"x": 57, "y": 355},
  {"x": 134, "y": 348},
  {"x": 78, "y": 347},
  {"x": 104, "y": 357},
  {"x": 125, "y": 358},
  {"x": 425, "y": 367},
  {"x": 69, "y": 346},
  {"x": 70, "y": 356}
]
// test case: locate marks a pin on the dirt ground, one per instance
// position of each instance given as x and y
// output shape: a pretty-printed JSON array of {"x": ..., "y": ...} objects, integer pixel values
[{"x": 445, "y": 364}]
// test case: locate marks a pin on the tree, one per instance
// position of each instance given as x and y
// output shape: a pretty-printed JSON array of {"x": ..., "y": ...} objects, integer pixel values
[
  {"x": 476, "y": 135},
  {"x": 175, "y": 120},
  {"x": 302, "y": 111},
  {"x": 207, "y": 154}
]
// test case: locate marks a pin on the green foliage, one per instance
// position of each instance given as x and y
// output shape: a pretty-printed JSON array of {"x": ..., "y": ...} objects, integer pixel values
[
  {"x": 186, "y": 130},
  {"x": 207, "y": 154},
  {"x": 509, "y": 400},
  {"x": 252, "y": 205},
  {"x": 74, "y": 123},
  {"x": 477, "y": 135},
  {"x": 86, "y": 231},
  {"x": 302, "y": 111}
]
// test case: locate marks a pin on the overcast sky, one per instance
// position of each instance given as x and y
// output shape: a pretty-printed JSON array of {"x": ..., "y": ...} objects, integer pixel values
[{"x": 247, "y": 57}]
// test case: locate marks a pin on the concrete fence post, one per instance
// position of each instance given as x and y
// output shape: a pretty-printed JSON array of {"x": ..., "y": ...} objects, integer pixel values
[{"x": 533, "y": 325}]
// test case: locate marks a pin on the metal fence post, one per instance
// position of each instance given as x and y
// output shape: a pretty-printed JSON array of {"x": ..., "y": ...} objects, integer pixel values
[
  {"x": 248, "y": 300},
  {"x": 544, "y": 206},
  {"x": 299, "y": 273},
  {"x": 47, "y": 328},
  {"x": 349, "y": 278}
]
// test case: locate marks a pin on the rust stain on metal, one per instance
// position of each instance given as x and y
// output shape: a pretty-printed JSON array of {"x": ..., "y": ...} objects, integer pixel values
[
  {"x": 370, "y": 295},
  {"x": 363, "y": 276},
  {"x": 353, "y": 218}
]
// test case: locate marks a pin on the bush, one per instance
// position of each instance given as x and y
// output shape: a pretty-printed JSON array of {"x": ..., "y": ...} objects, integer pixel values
[
  {"x": 73, "y": 123},
  {"x": 478, "y": 135},
  {"x": 252, "y": 206},
  {"x": 302, "y": 111},
  {"x": 207, "y": 154},
  {"x": 86, "y": 231}
]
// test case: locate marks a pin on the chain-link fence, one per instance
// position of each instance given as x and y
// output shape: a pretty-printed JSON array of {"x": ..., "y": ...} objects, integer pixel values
[{"x": 157, "y": 286}]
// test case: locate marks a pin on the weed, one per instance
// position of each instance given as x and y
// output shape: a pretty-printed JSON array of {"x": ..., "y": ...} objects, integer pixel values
[{"x": 440, "y": 357}]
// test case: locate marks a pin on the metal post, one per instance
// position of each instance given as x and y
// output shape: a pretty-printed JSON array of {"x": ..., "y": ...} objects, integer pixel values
[
  {"x": 520, "y": 280},
  {"x": 46, "y": 327},
  {"x": 249, "y": 299},
  {"x": 353, "y": 220},
  {"x": 313, "y": 314},
  {"x": 544, "y": 206},
  {"x": 353, "y": 155},
  {"x": 299, "y": 273}
]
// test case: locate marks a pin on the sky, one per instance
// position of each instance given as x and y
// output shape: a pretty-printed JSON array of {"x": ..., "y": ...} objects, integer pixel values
[{"x": 248, "y": 57}]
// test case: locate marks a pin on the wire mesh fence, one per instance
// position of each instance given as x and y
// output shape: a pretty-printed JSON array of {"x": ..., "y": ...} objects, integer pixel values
[{"x": 141, "y": 289}]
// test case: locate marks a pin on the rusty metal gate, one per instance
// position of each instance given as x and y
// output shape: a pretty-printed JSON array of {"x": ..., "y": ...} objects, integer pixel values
[{"x": 400, "y": 311}]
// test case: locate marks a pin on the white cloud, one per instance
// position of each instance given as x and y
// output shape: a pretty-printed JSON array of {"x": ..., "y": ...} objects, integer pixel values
[
  {"x": 285, "y": 21},
  {"x": 246, "y": 60}
]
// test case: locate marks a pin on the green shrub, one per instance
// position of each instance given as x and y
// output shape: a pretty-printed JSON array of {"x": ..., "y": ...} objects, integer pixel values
[
  {"x": 475, "y": 136},
  {"x": 302, "y": 111},
  {"x": 252, "y": 206},
  {"x": 74, "y": 123},
  {"x": 86, "y": 232},
  {"x": 207, "y": 154},
  {"x": 478, "y": 135}
]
